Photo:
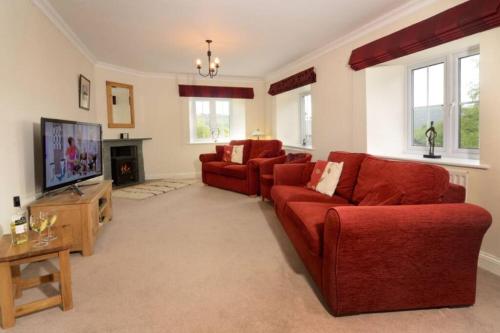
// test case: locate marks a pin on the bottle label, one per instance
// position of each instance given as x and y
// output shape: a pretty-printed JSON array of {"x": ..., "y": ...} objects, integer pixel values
[{"x": 21, "y": 229}]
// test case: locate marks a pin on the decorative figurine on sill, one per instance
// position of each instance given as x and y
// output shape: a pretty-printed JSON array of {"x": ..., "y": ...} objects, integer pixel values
[{"x": 431, "y": 135}]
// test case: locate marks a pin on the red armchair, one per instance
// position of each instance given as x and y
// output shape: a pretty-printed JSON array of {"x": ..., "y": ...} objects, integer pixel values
[
  {"x": 243, "y": 178},
  {"x": 421, "y": 253},
  {"x": 267, "y": 168}
]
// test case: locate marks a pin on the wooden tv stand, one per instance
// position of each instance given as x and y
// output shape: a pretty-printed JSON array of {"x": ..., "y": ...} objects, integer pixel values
[{"x": 85, "y": 214}]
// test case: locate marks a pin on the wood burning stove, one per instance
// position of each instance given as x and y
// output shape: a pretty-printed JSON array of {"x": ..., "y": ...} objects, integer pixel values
[{"x": 124, "y": 169}]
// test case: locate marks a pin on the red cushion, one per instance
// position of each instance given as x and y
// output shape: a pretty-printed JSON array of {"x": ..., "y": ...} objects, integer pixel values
[
  {"x": 227, "y": 153},
  {"x": 214, "y": 167},
  {"x": 258, "y": 146},
  {"x": 265, "y": 154},
  {"x": 235, "y": 171},
  {"x": 246, "y": 149},
  {"x": 421, "y": 183},
  {"x": 383, "y": 195},
  {"x": 318, "y": 170},
  {"x": 309, "y": 217},
  {"x": 282, "y": 194},
  {"x": 350, "y": 170},
  {"x": 298, "y": 157}
]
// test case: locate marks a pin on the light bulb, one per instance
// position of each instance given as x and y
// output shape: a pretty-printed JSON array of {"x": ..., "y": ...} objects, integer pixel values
[
  {"x": 198, "y": 63},
  {"x": 217, "y": 61},
  {"x": 212, "y": 65}
]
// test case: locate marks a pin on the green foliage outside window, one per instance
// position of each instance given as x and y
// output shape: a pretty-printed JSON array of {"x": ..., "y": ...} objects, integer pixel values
[{"x": 469, "y": 126}]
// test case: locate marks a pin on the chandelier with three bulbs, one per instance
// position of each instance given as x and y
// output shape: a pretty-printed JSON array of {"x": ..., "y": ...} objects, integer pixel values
[{"x": 213, "y": 66}]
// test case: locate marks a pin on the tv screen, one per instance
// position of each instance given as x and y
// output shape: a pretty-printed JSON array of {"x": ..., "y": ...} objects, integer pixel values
[{"x": 72, "y": 152}]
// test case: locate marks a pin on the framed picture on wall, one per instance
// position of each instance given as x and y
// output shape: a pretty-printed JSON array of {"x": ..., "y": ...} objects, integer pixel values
[{"x": 84, "y": 93}]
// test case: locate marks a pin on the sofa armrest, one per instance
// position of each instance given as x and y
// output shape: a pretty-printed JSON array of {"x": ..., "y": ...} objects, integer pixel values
[
  {"x": 295, "y": 174},
  {"x": 401, "y": 257},
  {"x": 253, "y": 175},
  {"x": 208, "y": 157},
  {"x": 267, "y": 166}
]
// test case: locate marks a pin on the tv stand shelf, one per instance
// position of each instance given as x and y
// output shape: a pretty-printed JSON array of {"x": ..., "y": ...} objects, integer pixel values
[{"x": 85, "y": 214}]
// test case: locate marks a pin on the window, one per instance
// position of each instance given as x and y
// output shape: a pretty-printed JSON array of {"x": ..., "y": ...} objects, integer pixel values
[
  {"x": 216, "y": 120},
  {"x": 468, "y": 102},
  {"x": 446, "y": 92},
  {"x": 306, "y": 120},
  {"x": 294, "y": 117}
]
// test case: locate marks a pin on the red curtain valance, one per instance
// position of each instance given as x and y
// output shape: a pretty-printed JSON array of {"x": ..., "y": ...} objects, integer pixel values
[
  {"x": 460, "y": 21},
  {"x": 213, "y": 91},
  {"x": 295, "y": 81}
]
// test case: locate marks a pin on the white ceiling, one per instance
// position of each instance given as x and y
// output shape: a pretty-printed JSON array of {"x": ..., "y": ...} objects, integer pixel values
[{"x": 251, "y": 38}]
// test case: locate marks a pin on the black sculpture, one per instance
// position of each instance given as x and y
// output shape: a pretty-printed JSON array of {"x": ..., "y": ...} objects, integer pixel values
[{"x": 431, "y": 138}]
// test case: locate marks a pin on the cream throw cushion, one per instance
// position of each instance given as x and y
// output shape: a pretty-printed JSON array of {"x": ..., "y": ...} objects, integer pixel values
[
  {"x": 237, "y": 155},
  {"x": 330, "y": 178}
]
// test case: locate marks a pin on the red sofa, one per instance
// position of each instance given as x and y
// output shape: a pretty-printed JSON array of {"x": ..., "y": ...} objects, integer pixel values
[
  {"x": 243, "y": 178},
  {"x": 267, "y": 170},
  {"x": 421, "y": 253}
]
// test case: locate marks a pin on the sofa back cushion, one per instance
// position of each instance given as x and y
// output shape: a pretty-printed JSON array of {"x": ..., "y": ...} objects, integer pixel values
[
  {"x": 350, "y": 170},
  {"x": 271, "y": 148},
  {"x": 246, "y": 149},
  {"x": 419, "y": 183}
]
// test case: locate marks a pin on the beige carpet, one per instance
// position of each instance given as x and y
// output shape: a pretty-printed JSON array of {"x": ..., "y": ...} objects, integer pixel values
[
  {"x": 152, "y": 188},
  {"x": 206, "y": 260}
]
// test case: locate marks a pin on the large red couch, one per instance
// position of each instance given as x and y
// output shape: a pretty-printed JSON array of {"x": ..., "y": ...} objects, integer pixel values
[
  {"x": 243, "y": 178},
  {"x": 420, "y": 253}
]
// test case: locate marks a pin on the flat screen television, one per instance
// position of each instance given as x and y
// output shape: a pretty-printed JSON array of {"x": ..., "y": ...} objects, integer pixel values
[{"x": 72, "y": 152}]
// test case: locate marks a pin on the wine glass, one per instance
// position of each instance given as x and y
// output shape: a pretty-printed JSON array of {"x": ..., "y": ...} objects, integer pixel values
[
  {"x": 52, "y": 219},
  {"x": 39, "y": 224}
]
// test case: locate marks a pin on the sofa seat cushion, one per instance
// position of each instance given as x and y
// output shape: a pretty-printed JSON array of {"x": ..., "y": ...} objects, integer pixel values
[
  {"x": 214, "y": 167},
  {"x": 309, "y": 218},
  {"x": 282, "y": 194},
  {"x": 235, "y": 171},
  {"x": 267, "y": 179},
  {"x": 420, "y": 183}
]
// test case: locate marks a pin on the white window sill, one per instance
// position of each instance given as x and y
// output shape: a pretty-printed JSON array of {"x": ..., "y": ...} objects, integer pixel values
[
  {"x": 456, "y": 162},
  {"x": 209, "y": 143},
  {"x": 298, "y": 147}
]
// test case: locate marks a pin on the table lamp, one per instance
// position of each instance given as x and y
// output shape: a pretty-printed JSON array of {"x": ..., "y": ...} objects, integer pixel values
[{"x": 258, "y": 133}]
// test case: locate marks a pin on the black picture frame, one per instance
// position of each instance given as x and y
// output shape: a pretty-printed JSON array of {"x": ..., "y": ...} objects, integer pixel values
[{"x": 84, "y": 93}]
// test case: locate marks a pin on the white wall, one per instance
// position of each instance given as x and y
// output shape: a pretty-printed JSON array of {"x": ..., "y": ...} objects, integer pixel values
[
  {"x": 385, "y": 109},
  {"x": 39, "y": 70},
  {"x": 340, "y": 104},
  {"x": 164, "y": 116}
]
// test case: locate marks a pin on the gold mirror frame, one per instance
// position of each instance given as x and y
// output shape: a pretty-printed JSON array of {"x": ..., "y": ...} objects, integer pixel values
[{"x": 109, "y": 96}]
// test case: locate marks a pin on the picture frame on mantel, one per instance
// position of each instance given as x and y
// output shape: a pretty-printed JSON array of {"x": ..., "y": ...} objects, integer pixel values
[{"x": 84, "y": 93}]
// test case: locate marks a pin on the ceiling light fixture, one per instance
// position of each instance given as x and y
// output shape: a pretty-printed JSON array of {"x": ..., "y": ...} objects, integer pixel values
[{"x": 213, "y": 67}]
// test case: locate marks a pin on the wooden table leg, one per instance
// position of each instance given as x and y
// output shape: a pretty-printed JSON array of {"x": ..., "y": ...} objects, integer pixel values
[
  {"x": 65, "y": 280},
  {"x": 16, "y": 277},
  {"x": 6, "y": 296}
]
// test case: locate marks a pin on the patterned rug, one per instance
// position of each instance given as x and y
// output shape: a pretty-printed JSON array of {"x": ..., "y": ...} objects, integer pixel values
[{"x": 152, "y": 188}]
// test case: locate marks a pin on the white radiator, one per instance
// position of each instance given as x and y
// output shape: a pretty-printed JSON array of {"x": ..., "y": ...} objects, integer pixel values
[{"x": 459, "y": 177}]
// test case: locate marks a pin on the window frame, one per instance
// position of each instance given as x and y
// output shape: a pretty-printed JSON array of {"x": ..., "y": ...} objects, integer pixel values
[
  {"x": 212, "y": 119},
  {"x": 472, "y": 153},
  {"x": 302, "y": 119},
  {"x": 451, "y": 114}
]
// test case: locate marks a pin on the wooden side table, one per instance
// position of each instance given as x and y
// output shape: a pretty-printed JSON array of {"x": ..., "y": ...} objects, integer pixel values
[{"x": 12, "y": 284}]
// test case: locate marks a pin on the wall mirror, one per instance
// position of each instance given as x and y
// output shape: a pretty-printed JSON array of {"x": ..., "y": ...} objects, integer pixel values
[{"x": 120, "y": 97}]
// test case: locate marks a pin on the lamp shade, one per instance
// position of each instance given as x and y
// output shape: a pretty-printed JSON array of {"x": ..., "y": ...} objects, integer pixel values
[{"x": 257, "y": 132}]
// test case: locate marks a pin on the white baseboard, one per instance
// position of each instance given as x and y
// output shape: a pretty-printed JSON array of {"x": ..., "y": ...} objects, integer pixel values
[
  {"x": 174, "y": 175},
  {"x": 489, "y": 262}
]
